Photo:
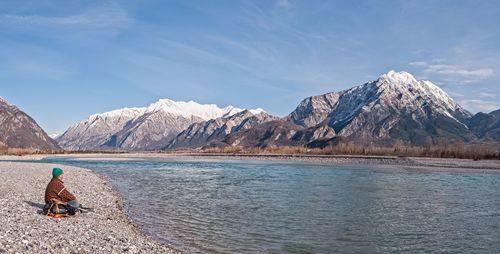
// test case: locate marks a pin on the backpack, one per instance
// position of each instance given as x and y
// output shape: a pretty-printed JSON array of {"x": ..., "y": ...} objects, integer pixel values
[{"x": 58, "y": 209}]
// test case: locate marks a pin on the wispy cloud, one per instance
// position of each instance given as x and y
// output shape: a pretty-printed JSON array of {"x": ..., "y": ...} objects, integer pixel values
[
  {"x": 266, "y": 62},
  {"x": 28, "y": 62},
  {"x": 207, "y": 55},
  {"x": 456, "y": 70},
  {"x": 285, "y": 52},
  {"x": 480, "y": 105},
  {"x": 418, "y": 64},
  {"x": 488, "y": 95},
  {"x": 37, "y": 69},
  {"x": 104, "y": 17},
  {"x": 452, "y": 92},
  {"x": 273, "y": 18},
  {"x": 286, "y": 6},
  {"x": 453, "y": 73}
]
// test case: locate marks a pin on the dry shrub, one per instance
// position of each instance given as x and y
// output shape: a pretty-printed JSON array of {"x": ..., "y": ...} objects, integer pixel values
[
  {"x": 457, "y": 150},
  {"x": 3, "y": 148},
  {"x": 21, "y": 151}
]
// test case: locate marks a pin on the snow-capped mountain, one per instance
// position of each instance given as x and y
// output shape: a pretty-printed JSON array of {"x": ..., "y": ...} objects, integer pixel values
[
  {"x": 18, "y": 130},
  {"x": 97, "y": 129},
  {"x": 146, "y": 128},
  {"x": 395, "y": 106},
  {"x": 191, "y": 109},
  {"x": 54, "y": 135}
]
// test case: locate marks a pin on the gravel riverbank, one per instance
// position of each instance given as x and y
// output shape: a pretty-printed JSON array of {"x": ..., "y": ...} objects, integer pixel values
[{"x": 25, "y": 230}]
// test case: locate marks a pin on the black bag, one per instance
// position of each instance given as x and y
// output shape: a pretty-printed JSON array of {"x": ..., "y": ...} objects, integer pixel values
[{"x": 58, "y": 209}]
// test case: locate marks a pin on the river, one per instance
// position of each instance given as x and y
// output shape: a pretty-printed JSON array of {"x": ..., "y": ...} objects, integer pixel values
[{"x": 244, "y": 206}]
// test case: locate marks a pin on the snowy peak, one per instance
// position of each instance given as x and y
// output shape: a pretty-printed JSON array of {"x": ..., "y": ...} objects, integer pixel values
[
  {"x": 257, "y": 111},
  {"x": 127, "y": 113},
  {"x": 404, "y": 81},
  {"x": 145, "y": 128},
  {"x": 191, "y": 108},
  {"x": 53, "y": 136},
  {"x": 396, "y": 105},
  {"x": 394, "y": 77},
  {"x": 407, "y": 89},
  {"x": 178, "y": 108}
]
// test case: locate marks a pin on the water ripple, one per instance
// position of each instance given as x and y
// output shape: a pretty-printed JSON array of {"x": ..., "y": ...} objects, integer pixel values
[{"x": 245, "y": 207}]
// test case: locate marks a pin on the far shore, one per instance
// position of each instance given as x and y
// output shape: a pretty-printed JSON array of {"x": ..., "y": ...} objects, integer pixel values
[{"x": 423, "y": 164}]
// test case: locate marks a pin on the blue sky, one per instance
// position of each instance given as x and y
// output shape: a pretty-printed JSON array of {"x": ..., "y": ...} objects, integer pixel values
[{"x": 61, "y": 61}]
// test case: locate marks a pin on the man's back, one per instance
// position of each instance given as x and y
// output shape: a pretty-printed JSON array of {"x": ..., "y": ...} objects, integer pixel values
[{"x": 56, "y": 190}]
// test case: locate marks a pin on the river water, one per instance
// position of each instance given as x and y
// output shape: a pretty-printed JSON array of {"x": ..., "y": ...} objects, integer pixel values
[{"x": 221, "y": 206}]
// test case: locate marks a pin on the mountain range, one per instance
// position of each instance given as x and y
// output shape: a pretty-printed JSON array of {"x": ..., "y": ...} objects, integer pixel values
[
  {"x": 147, "y": 128},
  {"x": 394, "y": 107},
  {"x": 377, "y": 113}
]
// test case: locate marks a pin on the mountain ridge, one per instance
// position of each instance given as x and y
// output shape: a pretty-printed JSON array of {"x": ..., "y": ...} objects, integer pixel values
[
  {"x": 275, "y": 133},
  {"x": 394, "y": 102},
  {"x": 144, "y": 128},
  {"x": 486, "y": 126},
  {"x": 200, "y": 134},
  {"x": 19, "y": 130},
  {"x": 396, "y": 106}
]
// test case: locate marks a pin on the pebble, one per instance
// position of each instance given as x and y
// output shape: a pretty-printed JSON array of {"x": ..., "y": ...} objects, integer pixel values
[{"x": 107, "y": 230}]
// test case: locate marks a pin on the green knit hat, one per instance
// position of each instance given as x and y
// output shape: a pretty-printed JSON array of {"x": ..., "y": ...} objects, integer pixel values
[{"x": 56, "y": 172}]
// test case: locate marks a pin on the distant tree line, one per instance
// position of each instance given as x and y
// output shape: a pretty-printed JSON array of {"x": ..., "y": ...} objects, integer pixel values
[
  {"x": 441, "y": 148},
  {"x": 5, "y": 150}
]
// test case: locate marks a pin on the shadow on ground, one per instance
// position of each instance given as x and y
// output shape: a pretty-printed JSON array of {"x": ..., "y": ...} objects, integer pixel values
[{"x": 36, "y": 205}]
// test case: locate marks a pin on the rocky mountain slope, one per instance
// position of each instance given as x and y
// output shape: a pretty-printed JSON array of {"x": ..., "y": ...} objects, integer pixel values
[
  {"x": 92, "y": 133},
  {"x": 486, "y": 126},
  {"x": 148, "y": 128},
  {"x": 18, "y": 130},
  {"x": 276, "y": 133},
  {"x": 202, "y": 133},
  {"x": 395, "y": 106}
]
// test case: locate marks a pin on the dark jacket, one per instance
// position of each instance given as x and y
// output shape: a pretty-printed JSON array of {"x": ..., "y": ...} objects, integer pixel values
[{"x": 56, "y": 190}]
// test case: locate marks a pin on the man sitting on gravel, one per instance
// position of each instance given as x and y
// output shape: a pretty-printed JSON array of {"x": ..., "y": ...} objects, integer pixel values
[{"x": 58, "y": 200}]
